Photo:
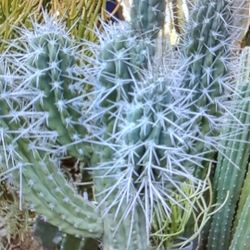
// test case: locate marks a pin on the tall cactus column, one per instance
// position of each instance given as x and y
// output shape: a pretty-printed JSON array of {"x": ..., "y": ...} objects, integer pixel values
[
  {"x": 232, "y": 162},
  {"x": 50, "y": 87},
  {"x": 207, "y": 43},
  {"x": 125, "y": 50}
]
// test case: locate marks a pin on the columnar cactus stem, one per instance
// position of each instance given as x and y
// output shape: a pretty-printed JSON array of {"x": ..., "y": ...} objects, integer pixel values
[
  {"x": 50, "y": 65},
  {"x": 232, "y": 162},
  {"x": 124, "y": 51},
  {"x": 245, "y": 191},
  {"x": 242, "y": 233},
  {"x": 41, "y": 182},
  {"x": 207, "y": 44},
  {"x": 147, "y": 16}
]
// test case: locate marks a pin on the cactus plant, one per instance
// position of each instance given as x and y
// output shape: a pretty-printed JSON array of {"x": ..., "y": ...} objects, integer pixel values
[
  {"x": 145, "y": 138},
  {"x": 232, "y": 163},
  {"x": 145, "y": 133},
  {"x": 48, "y": 66}
]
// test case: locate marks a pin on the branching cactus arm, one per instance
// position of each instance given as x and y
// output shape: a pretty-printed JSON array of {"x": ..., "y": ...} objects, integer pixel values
[
  {"x": 122, "y": 54},
  {"x": 39, "y": 177}
]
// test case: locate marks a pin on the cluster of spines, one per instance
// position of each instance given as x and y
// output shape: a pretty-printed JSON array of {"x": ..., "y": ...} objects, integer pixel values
[
  {"x": 150, "y": 145},
  {"x": 207, "y": 45},
  {"x": 48, "y": 63},
  {"x": 39, "y": 176},
  {"x": 148, "y": 16},
  {"x": 122, "y": 53}
]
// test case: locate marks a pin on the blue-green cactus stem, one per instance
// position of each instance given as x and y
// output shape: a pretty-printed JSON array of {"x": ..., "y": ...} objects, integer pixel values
[
  {"x": 148, "y": 16},
  {"x": 49, "y": 62},
  {"x": 206, "y": 43},
  {"x": 124, "y": 52},
  {"x": 39, "y": 177},
  {"x": 120, "y": 60},
  {"x": 62, "y": 207},
  {"x": 232, "y": 162},
  {"x": 146, "y": 167}
]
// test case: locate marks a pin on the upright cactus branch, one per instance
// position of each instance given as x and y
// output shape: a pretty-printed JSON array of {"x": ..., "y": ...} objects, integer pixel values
[
  {"x": 232, "y": 162},
  {"x": 48, "y": 64},
  {"x": 207, "y": 44},
  {"x": 39, "y": 177},
  {"x": 147, "y": 16},
  {"x": 122, "y": 54}
]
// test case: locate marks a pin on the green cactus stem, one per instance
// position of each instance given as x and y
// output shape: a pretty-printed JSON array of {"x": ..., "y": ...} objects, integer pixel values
[
  {"x": 124, "y": 52},
  {"x": 232, "y": 162},
  {"x": 243, "y": 197},
  {"x": 39, "y": 177},
  {"x": 206, "y": 43},
  {"x": 51, "y": 67},
  {"x": 148, "y": 16},
  {"x": 242, "y": 234}
]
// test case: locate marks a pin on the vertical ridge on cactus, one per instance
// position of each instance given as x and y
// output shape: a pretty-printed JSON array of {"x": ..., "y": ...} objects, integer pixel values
[
  {"x": 39, "y": 177},
  {"x": 242, "y": 234},
  {"x": 232, "y": 162}
]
